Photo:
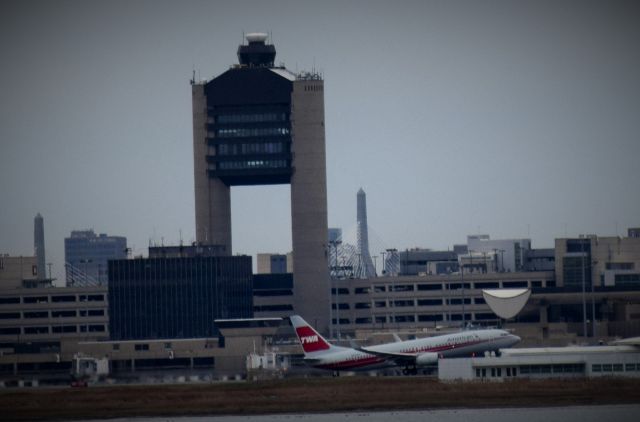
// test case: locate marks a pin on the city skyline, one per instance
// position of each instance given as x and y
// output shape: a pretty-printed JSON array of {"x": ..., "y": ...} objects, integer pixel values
[{"x": 516, "y": 120}]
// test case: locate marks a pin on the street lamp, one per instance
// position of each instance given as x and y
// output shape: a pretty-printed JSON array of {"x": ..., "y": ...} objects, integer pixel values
[
  {"x": 462, "y": 282},
  {"x": 391, "y": 253},
  {"x": 593, "y": 303},
  {"x": 584, "y": 299}
]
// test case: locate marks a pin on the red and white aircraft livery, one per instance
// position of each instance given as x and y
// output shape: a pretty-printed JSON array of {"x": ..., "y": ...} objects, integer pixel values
[{"x": 412, "y": 354}]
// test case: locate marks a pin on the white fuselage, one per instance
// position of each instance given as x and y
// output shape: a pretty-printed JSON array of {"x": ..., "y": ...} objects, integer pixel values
[{"x": 464, "y": 343}]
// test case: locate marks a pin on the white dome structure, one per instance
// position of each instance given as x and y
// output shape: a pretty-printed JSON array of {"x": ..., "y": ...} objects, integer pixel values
[{"x": 506, "y": 303}]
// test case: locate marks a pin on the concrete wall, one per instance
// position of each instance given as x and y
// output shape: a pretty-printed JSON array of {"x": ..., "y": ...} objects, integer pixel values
[
  {"x": 604, "y": 250},
  {"x": 14, "y": 269},
  {"x": 213, "y": 198},
  {"x": 309, "y": 204}
]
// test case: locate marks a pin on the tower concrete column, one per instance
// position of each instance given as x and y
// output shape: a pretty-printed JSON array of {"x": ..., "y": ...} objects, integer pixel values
[
  {"x": 213, "y": 197},
  {"x": 309, "y": 203}
]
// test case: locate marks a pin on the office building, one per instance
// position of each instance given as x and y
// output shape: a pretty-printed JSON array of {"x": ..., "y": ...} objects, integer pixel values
[
  {"x": 608, "y": 261},
  {"x": 87, "y": 254},
  {"x": 510, "y": 253},
  {"x": 425, "y": 261},
  {"x": 177, "y": 297},
  {"x": 543, "y": 259},
  {"x": 272, "y": 263},
  {"x": 18, "y": 271},
  {"x": 186, "y": 251},
  {"x": 259, "y": 124},
  {"x": 41, "y": 326}
]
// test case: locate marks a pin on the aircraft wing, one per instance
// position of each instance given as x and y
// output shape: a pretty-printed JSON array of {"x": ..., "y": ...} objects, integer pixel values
[{"x": 399, "y": 357}]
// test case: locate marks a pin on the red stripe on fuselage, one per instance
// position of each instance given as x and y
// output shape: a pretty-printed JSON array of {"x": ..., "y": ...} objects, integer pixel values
[
  {"x": 353, "y": 364},
  {"x": 446, "y": 347}
]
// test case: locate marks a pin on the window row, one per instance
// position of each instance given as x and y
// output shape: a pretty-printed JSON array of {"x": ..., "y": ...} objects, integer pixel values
[
  {"x": 619, "y": 265},
  {"x": 615, "y": 367},
  {"x": 419, "y": 302},
  {"x": 251, "y": 118},
  {"x": 252, "y": 148},
  {"x": 439, "y": 286},
  {"x": 252, "y": 164},
  {"x": 312, "y": 88},
  {"x": 627, "y": 278},
  {"x": 243, "y": 132},
  {"x": 272, "y": 308},
  {"x": 424, "y": 318},
  {"x": 496, "y": 372},
  {"x": 52, "y": 299},
  {"x": 54, "y": 314},
  {"x": 92, "y": 328},
  {"x": 575, "y": 368},
  {"x": 480, "y": 316}
]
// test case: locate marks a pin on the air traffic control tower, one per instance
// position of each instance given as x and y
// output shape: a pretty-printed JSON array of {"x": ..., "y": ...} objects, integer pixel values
[{"x": 259, "y": 124}]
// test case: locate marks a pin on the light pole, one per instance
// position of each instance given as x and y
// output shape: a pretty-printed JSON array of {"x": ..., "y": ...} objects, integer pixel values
[
  {"x": 391, "y": 255},
  {"x": 393, "y": 287},
  {"x": 447, "y": 300},
  {"x": 384, "y": 264},
  {"x": 462, "y": 282},
  {"x": 584, "y": 299},
  {"x": 593, "y": 303},
  {"x": 501, "y": 259},
  {"x": 333, "y": 275}
]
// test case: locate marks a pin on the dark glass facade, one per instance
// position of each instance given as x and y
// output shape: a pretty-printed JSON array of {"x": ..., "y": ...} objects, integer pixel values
[
  {"x": 86, "y": 256},
  {"x": 248, "y": 124},
  {"x": 177, "y": 297},
  {"x": 576, "y": 268}
]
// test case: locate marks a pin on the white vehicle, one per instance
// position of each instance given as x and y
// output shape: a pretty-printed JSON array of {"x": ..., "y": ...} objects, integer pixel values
[{"x": 411, "y": 354}]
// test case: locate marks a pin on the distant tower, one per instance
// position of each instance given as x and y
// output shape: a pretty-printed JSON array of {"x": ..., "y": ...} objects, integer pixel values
[
  {"x": 38, "y": 245},
  {"x": 363, "y": 264}
]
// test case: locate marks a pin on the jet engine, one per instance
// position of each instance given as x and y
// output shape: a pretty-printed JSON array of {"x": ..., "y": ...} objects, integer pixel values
[{"x": 424, "y": 359}]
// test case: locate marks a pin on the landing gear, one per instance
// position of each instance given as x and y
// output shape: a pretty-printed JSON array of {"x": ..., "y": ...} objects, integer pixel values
[
  {"x": 410, "y": 370},
  {"x": 336, "y": 374}
]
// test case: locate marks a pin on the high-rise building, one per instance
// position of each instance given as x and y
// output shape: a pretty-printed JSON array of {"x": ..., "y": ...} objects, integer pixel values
[
  {"x": 87, "y": 255},
  {"x": 259, "y": 124},
  {"x": 364, "y": 265},
  {"x": 38, "y": 246}
]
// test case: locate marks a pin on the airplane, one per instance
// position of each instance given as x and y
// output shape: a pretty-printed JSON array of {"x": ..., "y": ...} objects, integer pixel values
[{"x": 411, "y": 354}]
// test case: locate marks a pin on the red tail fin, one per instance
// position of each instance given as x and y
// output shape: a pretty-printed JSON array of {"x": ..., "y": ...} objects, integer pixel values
[{"x": 309, "y": 338}]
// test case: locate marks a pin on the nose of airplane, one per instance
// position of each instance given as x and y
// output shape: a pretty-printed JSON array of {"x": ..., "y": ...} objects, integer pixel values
[{"x": 516, "y": 339}]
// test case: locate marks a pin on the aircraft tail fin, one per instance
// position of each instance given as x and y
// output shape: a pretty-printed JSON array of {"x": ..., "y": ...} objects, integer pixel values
[{"x": 309, "y": 338}]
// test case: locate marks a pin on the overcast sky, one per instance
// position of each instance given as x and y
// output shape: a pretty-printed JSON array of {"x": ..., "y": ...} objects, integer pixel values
[{"x": 512, "y": 118}]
